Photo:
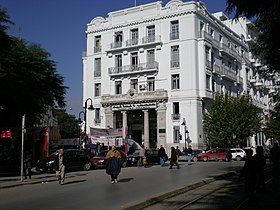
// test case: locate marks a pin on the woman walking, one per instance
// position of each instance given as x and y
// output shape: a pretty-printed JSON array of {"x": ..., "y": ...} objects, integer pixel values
[{"x": 113, "y": 166}]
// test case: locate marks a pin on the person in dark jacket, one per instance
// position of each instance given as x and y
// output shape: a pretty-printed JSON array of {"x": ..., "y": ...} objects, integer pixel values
[
  {"x": 173, "y": 159},
  {"x": 162, "y": 155},
  {"x": 60, "y": 166},
  {"x": 275, "y": 159},
  {"x": 260, "y": 162},
  {"x": 113, "y": 166}
]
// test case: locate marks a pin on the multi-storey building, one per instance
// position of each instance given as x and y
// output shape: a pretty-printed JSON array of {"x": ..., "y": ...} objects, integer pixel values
[{"x": 151, "y": 68}]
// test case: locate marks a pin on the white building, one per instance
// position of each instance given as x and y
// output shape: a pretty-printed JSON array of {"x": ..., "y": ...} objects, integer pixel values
[{"x": 149, "y": 68}]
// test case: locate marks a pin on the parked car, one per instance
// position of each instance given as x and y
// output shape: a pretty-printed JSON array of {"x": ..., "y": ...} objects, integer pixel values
[
  {"x": 184, "y": 155},
  {"x": 76, "y": 160},
  {"x": 150, "y": 154},
  {"x": 215, "y": 154},
  {"x": 100, "y": 160},
  {"x": 237, "y": 153}
]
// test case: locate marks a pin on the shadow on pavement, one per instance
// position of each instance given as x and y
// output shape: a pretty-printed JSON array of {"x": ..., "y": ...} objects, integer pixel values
[
  {"x": 125, "y": 180},
  {"x": 74, "y": 182}
]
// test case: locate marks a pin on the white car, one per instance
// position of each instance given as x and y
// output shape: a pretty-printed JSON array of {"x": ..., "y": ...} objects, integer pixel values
[{"x": 237, "y": 153}]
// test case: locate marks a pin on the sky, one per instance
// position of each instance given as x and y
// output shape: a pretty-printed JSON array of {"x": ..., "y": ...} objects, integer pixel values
[{"x": 59, "y": 26}]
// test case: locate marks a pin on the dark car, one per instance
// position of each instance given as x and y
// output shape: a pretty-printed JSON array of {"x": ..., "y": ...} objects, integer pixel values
[
  {"x": 184, "y": 155},
  {"x": 215, "y": 154},
  {"x": 150, "y": 154},
  {"x": 76, "y": 160},
  {"x": 100, "y": 160}
]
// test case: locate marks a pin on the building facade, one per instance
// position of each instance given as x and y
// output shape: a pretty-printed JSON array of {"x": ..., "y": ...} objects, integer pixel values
[{"x": 153, "y": 70}]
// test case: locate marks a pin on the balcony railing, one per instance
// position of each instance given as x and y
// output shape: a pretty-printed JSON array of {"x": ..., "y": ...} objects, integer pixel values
[
  {"x": 176, "y": 116},
  {"x": 97, "y": 49},
  {"x": 174, "y": 35},
  {"x": 175, "y": 64},
  {"x": 133, "y": 68},
  {"x": 135, "y": 42}
]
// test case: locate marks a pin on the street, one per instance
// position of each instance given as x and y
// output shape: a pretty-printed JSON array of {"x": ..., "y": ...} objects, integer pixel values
[{"x": 93, "y": 189}]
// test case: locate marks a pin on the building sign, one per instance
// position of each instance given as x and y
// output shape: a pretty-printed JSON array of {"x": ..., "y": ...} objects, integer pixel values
[
  {"x": 106, "y": 136},
  {"x": 149, "y": 105}
]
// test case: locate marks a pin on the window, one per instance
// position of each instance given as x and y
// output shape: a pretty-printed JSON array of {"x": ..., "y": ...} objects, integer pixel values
[
  {"x": 97, "y": 67},
  {"x": 176, "y": 111},
  {"x": 134, "y": 84},
  {"x": 97, "y": 115},
  {"x": 151, "y": 33},
  {"x": 97, "y": 89},
  {"x": 118, "y": 87},
  {"x": 151, "y": 59},
  {"x": 175, "y": 61},
  {"x": 118, "y": 39},
  {"x": 151, "y": 84},
  {"x": 134, "y": 37},
  {"x": 208, "y": 79},
  {"x": 176, "y": 134},
  {"x": 175, "y": 82},
  {"x": 134, "y": 59},
  {"x": 174, "y": 30},
  {"x": 118, "y": 63},
  {"x": 97, "y": 44},
  {"x": 201, "y": 28}
]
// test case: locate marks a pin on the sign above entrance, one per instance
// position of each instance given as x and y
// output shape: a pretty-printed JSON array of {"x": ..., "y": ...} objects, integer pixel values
[{"x": 119, "y": 107}]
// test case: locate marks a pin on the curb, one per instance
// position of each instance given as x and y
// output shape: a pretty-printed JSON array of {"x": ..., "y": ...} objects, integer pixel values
[
  {"x": 160, "y": 197},
  {"x": 27, "y": 183}
]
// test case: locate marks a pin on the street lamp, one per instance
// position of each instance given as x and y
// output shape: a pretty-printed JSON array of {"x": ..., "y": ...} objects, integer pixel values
[
  {"x": 85, "y": 112},
  {"x": 185, "y": 130}
]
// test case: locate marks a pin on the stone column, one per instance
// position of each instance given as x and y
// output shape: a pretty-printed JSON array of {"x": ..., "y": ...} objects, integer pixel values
[
  {"x": 124, "y": 124},
  {"x": 109, "y": 117},
  {"x": 161, "y": 125},
  {"x": 146, "y": 129}
]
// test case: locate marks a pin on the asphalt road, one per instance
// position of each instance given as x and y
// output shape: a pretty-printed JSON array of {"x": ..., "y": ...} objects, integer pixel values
[{"x": 93, "y": 189}]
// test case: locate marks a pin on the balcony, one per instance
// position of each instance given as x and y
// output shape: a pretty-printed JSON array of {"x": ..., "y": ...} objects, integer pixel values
[
  {"x": 133, "y": 69},
  {"x": 97, "y": 49},
  {"x": 229, "y": 51},
  {"x": 175, "y": 116},
  {"x": 131, "y": 43},
  {"x": 175, "y": 64},
  {"x": 174, "y": 35}
]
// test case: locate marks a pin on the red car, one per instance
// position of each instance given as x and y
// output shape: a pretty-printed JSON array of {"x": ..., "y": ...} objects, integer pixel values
[
  {"x": 100, "y": 161},
  {"x": 215, "y": 154}
]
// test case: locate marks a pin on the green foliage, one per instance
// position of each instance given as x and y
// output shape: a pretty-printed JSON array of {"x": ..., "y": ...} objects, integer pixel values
[
  {"x": 68, "y": 125},
  {"x": 272, "y": 128},
  {"x": 230, "y": 121},
  {"x": 30, "y": 85}
]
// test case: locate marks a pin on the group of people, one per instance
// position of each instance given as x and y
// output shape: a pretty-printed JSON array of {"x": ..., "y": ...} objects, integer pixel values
[{"x": 253, "y": 170}]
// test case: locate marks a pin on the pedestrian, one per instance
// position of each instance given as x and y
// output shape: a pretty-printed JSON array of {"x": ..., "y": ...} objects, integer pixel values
[
  {"x": 173, "y": 158},
  {"x": 142, "y": 156},
  {"x": 275, "y": 159},
  {"x": 161, "y": 155},
  {"x": 249, "y": 173},
  {"x": 260, "y": 162},
  {"x": 27, "y": 164},
  {"x": 113, "y": 166},
  {"x": 189, "y": 153},
  {"x": 60, "y": 166},
  {"x": 178, "y": 151}
]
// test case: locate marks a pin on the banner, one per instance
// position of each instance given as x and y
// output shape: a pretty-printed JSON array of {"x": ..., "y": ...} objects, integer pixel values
[
  {"x": 106, "y": 136},
  {"x": 6, "y": 134}
]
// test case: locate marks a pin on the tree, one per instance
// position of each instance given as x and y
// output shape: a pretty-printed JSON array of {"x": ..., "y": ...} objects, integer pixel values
[
  {"x": 230, "y": 121},
  {"x": 31, "y": 84},
  {"x": 68, "y": 125},
  {"x": 272, "y": 128},
  {"x": 267, "y": 19}
]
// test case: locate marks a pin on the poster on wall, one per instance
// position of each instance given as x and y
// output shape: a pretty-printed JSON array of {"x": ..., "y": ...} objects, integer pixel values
[{"x": 106, "y": 136}]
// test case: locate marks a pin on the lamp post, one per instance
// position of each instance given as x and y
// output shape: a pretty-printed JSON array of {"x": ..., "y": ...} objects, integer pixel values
[
  {"x": 185, "y": 130},
  {"x": 85, "y": 114},
  {"x": 80, "y": 121}
]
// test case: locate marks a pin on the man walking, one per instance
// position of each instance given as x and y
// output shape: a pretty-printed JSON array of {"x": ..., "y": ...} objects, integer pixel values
[
  {"x": 60, "y": 164},
  {"x": 162, "y": 155},
  {"x": 173, "y": 158}
]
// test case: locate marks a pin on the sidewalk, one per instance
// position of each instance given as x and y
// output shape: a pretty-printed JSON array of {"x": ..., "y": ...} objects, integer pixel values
[{"x": 37, "y": 178}]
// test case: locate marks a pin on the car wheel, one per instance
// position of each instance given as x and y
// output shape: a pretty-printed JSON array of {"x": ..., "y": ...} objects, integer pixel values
[
  {"x": 205, "y": 159},
  {"x": 87, "y": 166},
  {"x": 194, "y": 159},
  {"x": 238, "y": 158}
]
